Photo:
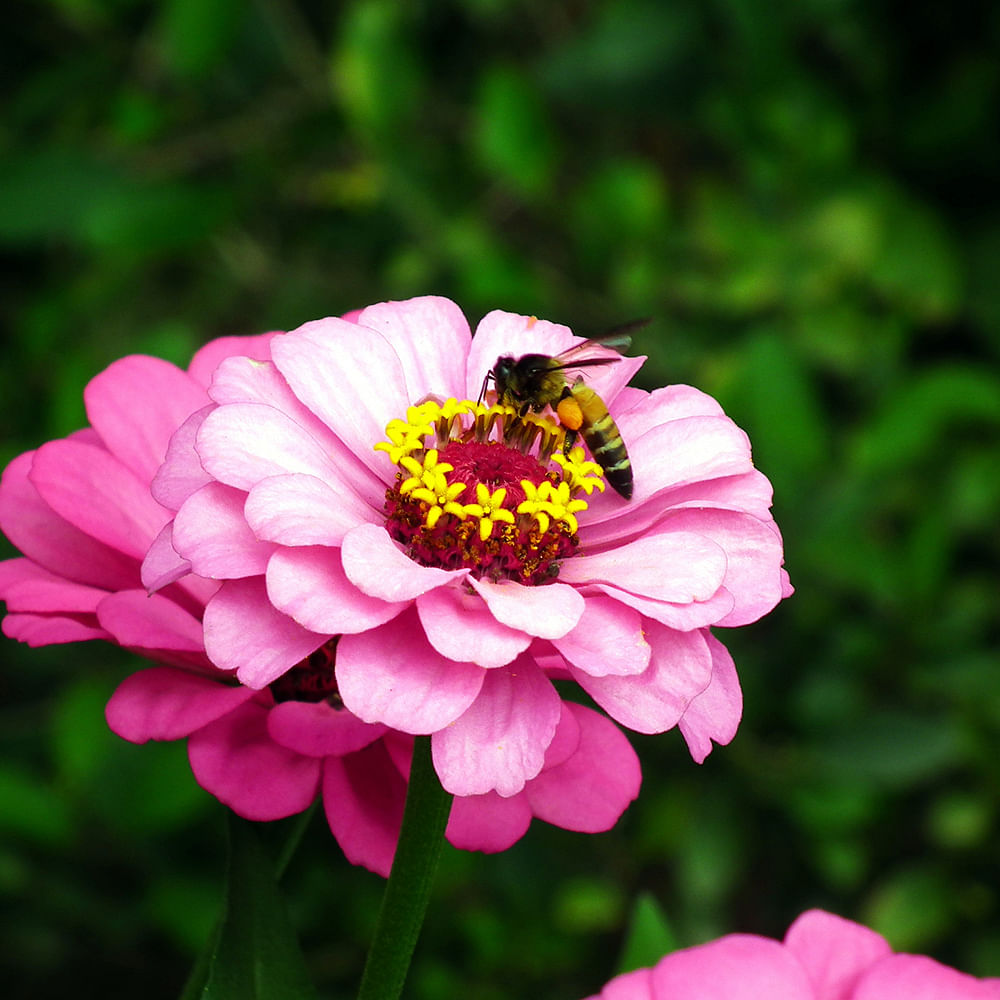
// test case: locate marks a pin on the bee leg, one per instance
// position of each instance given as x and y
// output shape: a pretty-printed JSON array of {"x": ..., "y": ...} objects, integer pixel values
[{"x": 569, "y": 439}]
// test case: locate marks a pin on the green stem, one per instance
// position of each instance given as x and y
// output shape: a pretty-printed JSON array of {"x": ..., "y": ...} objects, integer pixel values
[{"x": 409, "y": 887}]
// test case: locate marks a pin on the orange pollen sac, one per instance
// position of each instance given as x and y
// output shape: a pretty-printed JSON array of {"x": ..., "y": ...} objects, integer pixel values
[
  {"x": 481, "y": 529},
  {"x": 569, "y": 413}
]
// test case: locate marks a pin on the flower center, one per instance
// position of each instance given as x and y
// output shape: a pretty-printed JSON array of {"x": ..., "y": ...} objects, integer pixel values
[
  {"x": 312, "y": 679},
  {"x": 485, "y": 489}
]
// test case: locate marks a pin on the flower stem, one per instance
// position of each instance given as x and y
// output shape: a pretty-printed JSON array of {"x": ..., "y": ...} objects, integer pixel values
[{"x": 408, "y": 889}]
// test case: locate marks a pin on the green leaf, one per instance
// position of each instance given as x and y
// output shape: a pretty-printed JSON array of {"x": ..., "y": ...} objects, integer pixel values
[
  {"x": 256, "y": 954},
  {"x": 649, "y": 936}
]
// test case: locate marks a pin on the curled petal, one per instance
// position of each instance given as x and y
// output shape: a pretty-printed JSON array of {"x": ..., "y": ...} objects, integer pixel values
[
  {"x": 608, "y": 639},
  {"x": 547, "y": 612},
  {"x": 715, "y": 713}
]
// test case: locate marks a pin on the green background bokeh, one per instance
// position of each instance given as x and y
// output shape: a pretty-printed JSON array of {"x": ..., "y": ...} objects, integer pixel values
[{"x": 802, "y": 196}]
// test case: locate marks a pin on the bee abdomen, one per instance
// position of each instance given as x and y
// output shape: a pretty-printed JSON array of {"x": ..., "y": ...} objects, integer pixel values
[{"x": 602, "y": 437}]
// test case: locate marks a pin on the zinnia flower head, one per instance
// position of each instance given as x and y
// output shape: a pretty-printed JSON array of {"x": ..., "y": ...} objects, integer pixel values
[
  {"x": 81, "y": 511},
  {"x": 449, "y": 557},
  {"x": 823, "y": 957}
]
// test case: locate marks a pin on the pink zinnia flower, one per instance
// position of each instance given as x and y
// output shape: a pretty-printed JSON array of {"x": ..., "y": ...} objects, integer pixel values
[
  {"x": 81, "y": 512},
  {"x": 823, "y": 957},
  {"x": 354, "y": 497}
]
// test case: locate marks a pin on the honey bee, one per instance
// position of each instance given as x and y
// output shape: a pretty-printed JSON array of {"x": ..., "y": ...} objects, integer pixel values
[{"x": 534, "y": 381}]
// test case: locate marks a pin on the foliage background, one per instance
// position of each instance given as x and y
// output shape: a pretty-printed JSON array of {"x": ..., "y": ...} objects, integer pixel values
[{"x": 802, "y": 195}]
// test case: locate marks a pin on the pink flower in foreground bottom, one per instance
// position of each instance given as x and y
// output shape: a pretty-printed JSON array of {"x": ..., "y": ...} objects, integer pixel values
[
  {"x": 823, "y": 957},
  {"x": 81, "y": 512},
  {"x": 353, "y": 496}
]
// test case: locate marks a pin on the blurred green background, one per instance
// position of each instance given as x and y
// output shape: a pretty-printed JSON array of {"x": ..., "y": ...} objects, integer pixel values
[{"x": 802, "y": 194}]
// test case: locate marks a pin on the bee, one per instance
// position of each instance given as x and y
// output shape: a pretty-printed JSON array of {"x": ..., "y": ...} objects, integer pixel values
[{"x": 534, "y": 381}]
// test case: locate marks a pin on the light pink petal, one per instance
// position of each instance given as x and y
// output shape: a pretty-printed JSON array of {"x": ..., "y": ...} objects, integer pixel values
[
  {"x": 241, "y": 380},
  {"x": 392, "y": 675},
  {"x": 243, "y": 632},
  {"x": 351, "y": 378},
  {"x": 499, "y": 743},
  {"x": 737, "y": 967},
  {"x": 637, "y": 985},
  {"x": 589, "y": 791},
  {"x": 377, "y": 566},
  {"x": 236, "y": 760},
  {"x": 460, "y": 626},
  {"x": 141, "y": 621},
  {"x": 654, "y": 701},
  {"x": 684, "y": 617},
  {"x": 209, "y": 357},
  {"x": 26, "y": 586},
  {"x": 488, "y": 822},
  {"x": 182, "y": 472},
  {"x": 163, "y": 703},
  {"x": 50, "y": 630},
  {"x": 916, "y": 977},
  {"x": 303, "y": 510},
  {"x": 431, "y": 337},
  {"x": 547, "y": 612},
  {"x": 162, "y": 565},
  {"x": 608, "y": 639},
  {"x": 94, "y": 492},
  {"x": 135, "y": 405},
  {"x": 364, "y": 795},
  {"x": 242, "y": 443},
  {"x": 834, "y": 952},
  {"x": 753, "y": 557},
  {"x": 316, "y": 729},
  {"x": 677, "y": 567},
  {"x": 211, "y": 532},
  {"x": 715, "y": 713},
  {"x": 309, "y": 585},
  {"x": 672, "y": 402},
  {"x": 43, "y": 536}
]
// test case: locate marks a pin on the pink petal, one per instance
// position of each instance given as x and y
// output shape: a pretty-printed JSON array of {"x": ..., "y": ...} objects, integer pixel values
[
  {"x": 236, "y": 760},
  {"x": 654, "y": 701},
  {"x": 316, "y": 729},
  {"x": 43, "y": 536},
  {"x": 392, "y": 675},
  {"x": 590, "y": 790},
  {"x": 209, "y": 357},
  {"x": 916, "y": 977},
  {"x": 94, "y": 492},
  {"x": 330, "y": 365},
  {"x": 49, "y": 630},
  {"x": 26, "y": 586},
  {"x": 309, "y": 585},
  {"x": 162, "y": 703},
  {"x": 499, "y": 743},
  {"x": 608, "y": 639},
  {"x": 243, "y": 632},
  {"x": 547, "y": 612},
  {"x": 211, "y": 532},
  {"x": 162, "y": 565},
  {"x": 487, "y": 822},
  {"x": 136, "y": 404},
  {"x": 181, "y": 473},
  {"x": 672, "y": 402},
  {"x": 431, "y": 338},
  {"x": 377, "y": 566},
  {"x": 753, "y": 557},
  {"x": 715, "y": 713},
  {"x": 678, "y": 567},
  {"x": 834, "y": 952},
  {"x": 683, "y": 617},
  {"x": 242, "y": 443},
  {"x": 142, "y": 621},
  {"x": 460, "y": 626},
  {"x": 737, "y": 967},
  {"x": 364, "y": 795},
  {"x": 303, "y": 510}
]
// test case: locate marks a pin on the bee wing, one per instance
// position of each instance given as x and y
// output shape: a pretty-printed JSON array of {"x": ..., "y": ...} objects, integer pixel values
[{"x": 618, "y": 339}]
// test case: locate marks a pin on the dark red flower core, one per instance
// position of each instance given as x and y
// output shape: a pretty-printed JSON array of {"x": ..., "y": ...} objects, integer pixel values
[{"x": 312, "y": 679}]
